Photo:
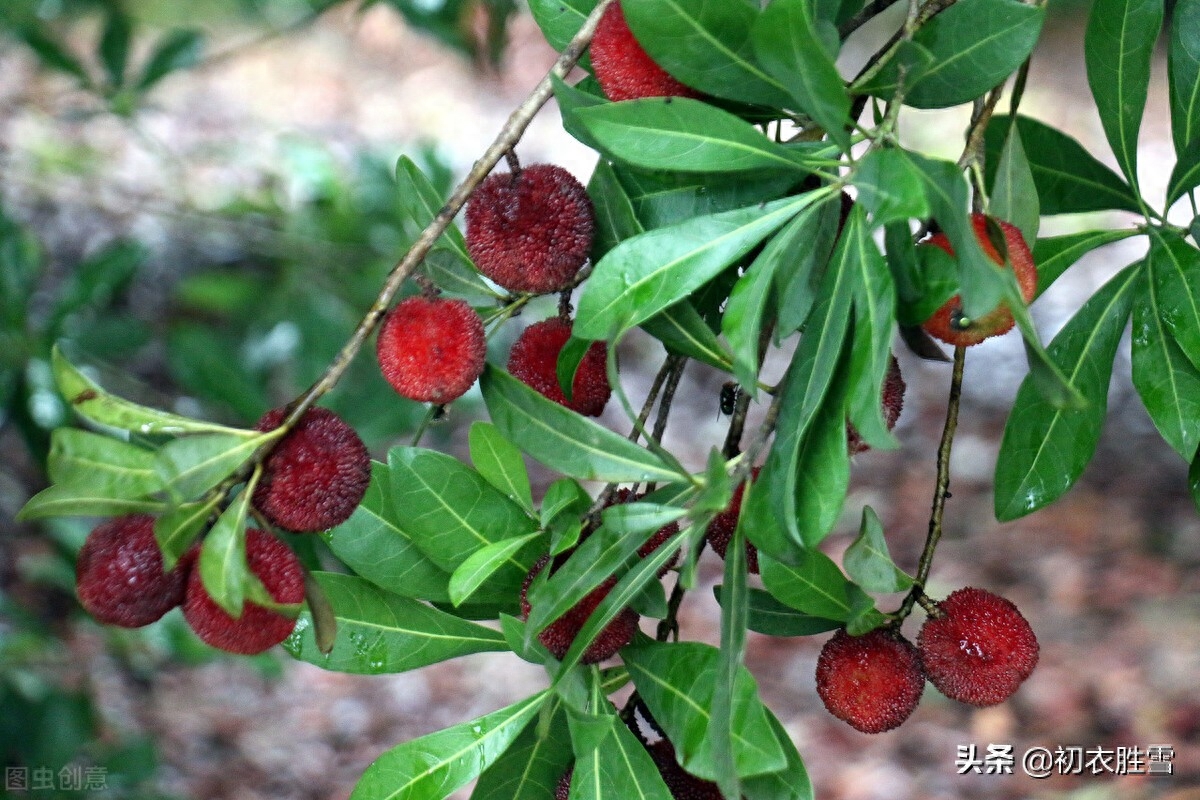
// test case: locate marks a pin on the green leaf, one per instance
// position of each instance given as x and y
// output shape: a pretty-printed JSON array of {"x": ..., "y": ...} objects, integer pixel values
[
  {"x": 925, "y": 277},
  {"x": 611, "y": 762},
  {"x": 1045, "y": 449},
  {"x": 868, "y": 562},
  {"x": 1175, "y": 270},
  {"x": 1055, "y": 254},
  {"x": 682, "y": 135},
  {"x": 975, "y": 45},
  {"x": 222, "y": 564},
  {"x": 787, "y": 44},
  {"x": 191, "y": 465},
  {"x": 874, "y": 324},
  {"x": 379, "y": 632},
  {"x": 734, "y": 618},
  {"x": 823, "y": 469},
  {"x": 375, "y": 545},
  {"x": 797, "y": 283},
  {"x": 178, "y": 50},
  {"x": 1068, "y": 178},
  {"x": 1185, "y": 176},
  {"x": 1014, "y": 193},
  {"x": 791, "y": 782},
  {"x": 768, "y": 616},
  {"x": 683, "y": 331},
  {"x": 114, "y": 45},
  {"x": 562, "y": 439},
  {"x": 1183, "y": 66},
  {"x": 531, "y": 768},
  {"x": 616, "y": 220},
  {"x": 662, "y": 199},
  {"x": 500, "y": 464},
  {"x": 1118, "y": 49},
  {"x": 53, "y": 54},
  {"x": 560, "y": 20},
  {"x": 178, "y": 528},
  {"x": 421, "y": 202},
  {"x": 814, "y": 586},
  {"x": 646, "y": 274},
  {"x": 105, "y": 465},
  {"x": 677, "y": 682},
  {"x": 707, "y": 46},
  {"x": 83, "y": 501},
  {"x": 1167, "y": 382},
  {"x": 435, "y": 766},
  {"x": 484, "y": 563},
  {"x": 890, "y": 187}
]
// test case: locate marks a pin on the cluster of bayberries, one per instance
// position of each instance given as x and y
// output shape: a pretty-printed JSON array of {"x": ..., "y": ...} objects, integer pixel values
[{"x": 312, "y": 480}]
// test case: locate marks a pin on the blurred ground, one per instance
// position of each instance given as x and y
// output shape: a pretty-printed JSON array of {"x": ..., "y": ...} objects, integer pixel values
[{"x": 1108, "y": 577}]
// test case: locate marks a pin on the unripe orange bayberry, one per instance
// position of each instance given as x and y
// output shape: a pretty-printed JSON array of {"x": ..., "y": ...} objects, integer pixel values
[
  {"x": 873, "y": 681},
  {"x": 533, "y": 360},
  {"x": 892, "y": 403},
  {"x": 430, "y": 349},
  {"x": 682, "y": 784},
  {"x": 316, "y": 475},
  {"x": 720, "y": 530},
  {"x": 119, "y": 575},
  {"x": 981, "y": 648},
  {"x": 558, "y": 635},
  {"x": 947, "y": 323},
  {"x": 623, "y": 68},
  {"x": 530, "y": 231},
  {"x": 258, "y": 629}
]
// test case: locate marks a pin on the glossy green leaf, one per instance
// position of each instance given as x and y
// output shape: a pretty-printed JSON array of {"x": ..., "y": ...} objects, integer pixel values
[
  {"x": 1055, "y": 254},
  {"x": 611, "y": 762},
  {"x": 484, "y": 563},
  {"x": 562, "y": 439},
  {"x": 375, "y": 544},
  {"x": 814, "y": 586},
  {"x": 1045, "y": 449},
  {"x": 177, "y": 50},
  {"x": 768, "y": 616},
  {"x": 560, "y": 20},
  {"x": 925, "y": 277},
  {"x": 1014, "y": 192},
  {"x": 797, "y": 283},
  {"x": 734, "y": 618},
  {"x": 191, "y": 465},
  {"x": 83, "y": 501},
  {"x": 379, "y": 632},
  {"x": 874, "y": 326},
  {"x": 1118, "y": 48},
  {"x": 1167, "y": 382},
  {"x": 433, "y": 767},
  {"x": 707, "y": 46},
  {"x": 791, "y": 782},
  {"x": 105, "y": 465},
  {"x": 890, "y": 187},
  {"x": 788, "y": 45},
  {"x": 1175, "y": 270},
  {"x": 1068, "y": 178},
  {"x": 52, "y": 53},
  {"x": 682, "y": 135},
  {"x": 1183, "y": 66},
  {"x": 683, "y": 331},
  {"x": 1185, "y": 176},
  {"x": 114, "y": 45},
  {"x": 663, "y": 199},
  {"x": 421, "y": 202},
  {"x": 178, "y": 528},
  {"x": 822, "y": 469},
  {"x": 867, "y": 559},
  {"x": 531, "y": 768},
  {"x": 616, "y": 219},
  {"x": 500, "y": 463},
  {"x": 677, "y": 682},
  {"x": 222, "y": 563}
]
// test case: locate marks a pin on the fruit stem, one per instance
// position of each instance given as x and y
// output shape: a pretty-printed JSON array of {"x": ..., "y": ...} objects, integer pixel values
[
  {"x": 973, "y": 153},
  {"x": 514, "y": 128},
  {"x": 868, "y": 13}
]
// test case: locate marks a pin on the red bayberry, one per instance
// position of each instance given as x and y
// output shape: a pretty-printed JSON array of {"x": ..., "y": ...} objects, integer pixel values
[
  {"x": 119, "y": 575},
  {"x": 562, "y": 790},
  {"x": 947, "y": 322},
  {"x": 873, "y": 681},
  {"x": 258, "y": 628},
  {"x": 530, "y": 231},
  {"x": 558, "y": 635},
  {"x": 316, "y": 475},
  {"x": 682, "y": 784},
  {"x": 625, "y": 70},
  {"x": 431, "y": 350},
  {"x": 720, "y": 530},
  {"x": 980, "y": 650},
  {"x": 892, "y": 403},
  {"x": 534, "y": 361}
]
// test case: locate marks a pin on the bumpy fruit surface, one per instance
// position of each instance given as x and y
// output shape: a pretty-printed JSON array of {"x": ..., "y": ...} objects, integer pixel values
[
  {"x": 682, "y": 784},
  {"x": 532, "y": 230},
  {"x": 873, "y": 681},
  {"x": 558, "y": 635},
  {"x": 980, "y": 651},
  {"x": 533, "y": 360},
  {"x": 946, "y": 322},
  {"x": 431, "y": 350},
  {"x": 119, "y": 575},
  {"x": 258, "y": 629},
  {"x": 562, "y": 790},
  {"x": 316, "y": 475},
  {"x": 892, "y": 403},
  {"x": 625, "y": 70},
  {"x": 720, "y": 529}
]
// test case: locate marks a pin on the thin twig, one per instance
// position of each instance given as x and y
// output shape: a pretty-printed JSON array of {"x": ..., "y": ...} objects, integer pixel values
[{"x": 868, "y": 13}]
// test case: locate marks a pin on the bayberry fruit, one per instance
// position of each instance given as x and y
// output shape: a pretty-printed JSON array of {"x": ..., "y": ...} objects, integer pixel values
[
  {"x": 892, "y": 403},
  {"x": 623, "y": 68},
  {"x": 316, "y": 475},
  {"x": 558, "y": 635},
  {"x": 533, "y": 360},
  {"x": 720, "y": 530},
  {"x": 119, "y": 575},
  {"x": 873, "y": 681},
  {"x": 530, "y": 231},
  {"x": 981, "y": 648},
  {"x": 947, "y": 323},
  {"x": 259, "y": 628},
  {"x": 431, "y": 350},
  {"x": 562, "y": 790},
  {"x": 682, "y": 784}
]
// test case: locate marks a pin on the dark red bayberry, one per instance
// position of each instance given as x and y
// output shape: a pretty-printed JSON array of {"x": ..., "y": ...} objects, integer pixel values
[
  {"x": 316, "y": 475},
  {"x": 119, "y": 575},
  {"x": 530, "y": 231},
  {"x": 258, "y": 629},
  {"x": 431, "y": 350},
  {"x": 892, "y": 403},
  {"x": 682, "y": 784},
  {"x": 720, "y": 530},
  {"x": 533, "y": 360},
  {"x": 562, "y": 790},
  {"x": 873, "y": 681},
  {"x": 623, "y": 68},
  {"x": 981, "y": 648},
  {"x": 558, "y": 635}
]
